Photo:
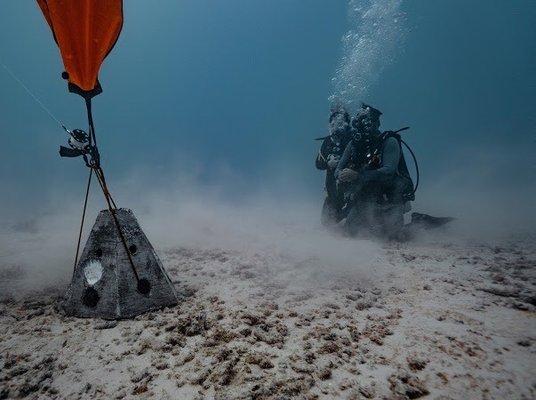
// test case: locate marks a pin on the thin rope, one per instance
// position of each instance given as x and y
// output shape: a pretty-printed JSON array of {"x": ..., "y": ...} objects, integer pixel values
[
  {"x": 33, "y": 96},
  {"x": 105, "y": 185},
  {"x": 102, "y": 181},
  {"x": 113, "y": 210},
  {"x": 83, "y": 218}
]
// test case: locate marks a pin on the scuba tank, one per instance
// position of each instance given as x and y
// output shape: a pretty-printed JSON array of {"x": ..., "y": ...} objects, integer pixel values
[
  {"x": 369, "y": 153},
  {"x": 374, "y": 159}
]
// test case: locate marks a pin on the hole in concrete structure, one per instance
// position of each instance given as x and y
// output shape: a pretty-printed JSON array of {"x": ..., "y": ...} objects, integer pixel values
[
  {"x": 90, "y": 298},
  {"x": 144, "y": 287},
  {"x": 132, "y": 248},
  {"x": 98, "y": 253}
]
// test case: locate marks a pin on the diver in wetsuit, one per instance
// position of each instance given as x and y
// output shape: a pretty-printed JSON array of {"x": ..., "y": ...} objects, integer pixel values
[
  {"x": 374, "y": 178},
  {"x": 328, "y": 158}
]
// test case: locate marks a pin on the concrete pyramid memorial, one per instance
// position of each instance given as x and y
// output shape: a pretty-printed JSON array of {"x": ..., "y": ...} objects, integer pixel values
[{"x": 104, "y": 283}]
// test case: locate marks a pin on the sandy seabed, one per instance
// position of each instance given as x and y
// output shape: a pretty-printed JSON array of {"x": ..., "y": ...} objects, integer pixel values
[{"x": 430, "y": 320}]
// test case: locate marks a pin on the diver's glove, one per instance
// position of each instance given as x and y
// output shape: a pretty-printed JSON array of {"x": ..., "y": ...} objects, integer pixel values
[
  {"x": 333, "y": 161},
  {"x": 348, "y": 175}
]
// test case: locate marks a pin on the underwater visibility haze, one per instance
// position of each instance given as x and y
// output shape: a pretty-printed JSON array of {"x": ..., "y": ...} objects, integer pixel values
[
  {"x": 232, "y": 94},
  {"x": 209, "y": 111}
]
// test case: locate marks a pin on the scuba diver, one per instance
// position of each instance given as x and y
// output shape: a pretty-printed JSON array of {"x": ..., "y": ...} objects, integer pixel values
[
  {"x": 373, "y": 179},
  {"x": 328, "y": 158}
]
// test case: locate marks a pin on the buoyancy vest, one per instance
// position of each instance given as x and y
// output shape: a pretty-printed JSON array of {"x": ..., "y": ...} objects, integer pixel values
[
  {"x": 369, "y": 153},
  {"x": 330, "y": 147}
]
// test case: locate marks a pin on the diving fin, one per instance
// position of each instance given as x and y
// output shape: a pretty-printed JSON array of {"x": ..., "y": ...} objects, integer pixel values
[{"x": 426, "y": 221}]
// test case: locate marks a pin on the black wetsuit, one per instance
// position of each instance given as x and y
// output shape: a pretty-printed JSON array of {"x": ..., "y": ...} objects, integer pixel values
[
  {"x": 378, "y": 196},
  {"x": 334, "y": 199}
]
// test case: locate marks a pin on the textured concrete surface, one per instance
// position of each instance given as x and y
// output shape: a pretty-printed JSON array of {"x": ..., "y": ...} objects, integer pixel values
[{"x": 104, "y": 284}]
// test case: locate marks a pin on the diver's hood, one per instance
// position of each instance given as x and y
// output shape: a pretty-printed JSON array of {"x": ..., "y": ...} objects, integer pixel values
[{"x": 374, "y": 112}]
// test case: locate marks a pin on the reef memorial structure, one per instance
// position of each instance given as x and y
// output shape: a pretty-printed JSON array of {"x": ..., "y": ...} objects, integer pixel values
[
  {"x": 105, "y": 285},
  {"x": 118, "y": 274}
]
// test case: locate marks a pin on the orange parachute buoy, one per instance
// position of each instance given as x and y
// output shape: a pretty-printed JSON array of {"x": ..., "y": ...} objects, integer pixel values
[{"x": 85, "y": 31}]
